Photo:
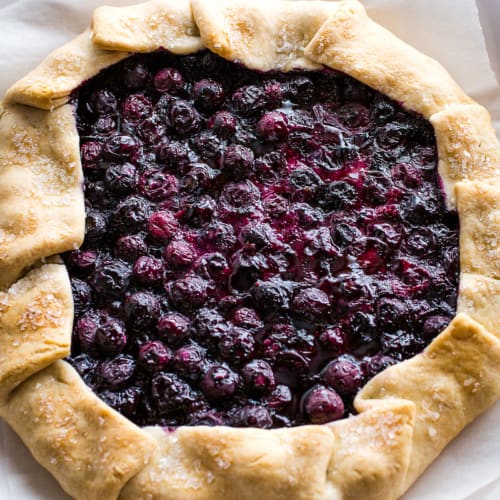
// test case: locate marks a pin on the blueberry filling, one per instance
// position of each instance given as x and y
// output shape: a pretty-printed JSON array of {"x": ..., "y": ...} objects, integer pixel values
[{"x": 258, "y": 245}]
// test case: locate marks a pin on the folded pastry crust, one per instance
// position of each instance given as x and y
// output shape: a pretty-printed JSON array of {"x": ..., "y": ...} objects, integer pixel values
[{"x": 407, "y": 413}]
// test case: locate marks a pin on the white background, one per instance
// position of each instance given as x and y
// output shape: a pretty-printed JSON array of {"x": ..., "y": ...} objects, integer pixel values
[{"x": 447, "y": 30}]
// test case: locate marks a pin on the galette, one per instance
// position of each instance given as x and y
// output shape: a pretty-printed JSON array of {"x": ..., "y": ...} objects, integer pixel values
[{"x": 246, "y": 249}]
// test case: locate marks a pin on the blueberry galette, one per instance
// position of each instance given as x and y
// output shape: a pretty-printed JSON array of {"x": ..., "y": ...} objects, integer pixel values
[{"x": 245, "y": 249}]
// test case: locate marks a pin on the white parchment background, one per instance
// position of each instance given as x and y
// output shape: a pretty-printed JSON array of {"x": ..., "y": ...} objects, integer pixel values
[{"x": 449, "y": 31}]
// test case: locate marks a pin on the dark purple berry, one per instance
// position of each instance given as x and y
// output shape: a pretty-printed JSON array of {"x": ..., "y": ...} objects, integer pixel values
[
  {"x": 82, "y": 261},
  {"x": 373, "y": 365},
  {"x": 125, "y": 401},
  {"x": 237, "y": 345},
  {"x": 323, "y": 405},
  {"x": 121, "y": 179},
  {"x": 85, "y": 330},
  {"x": 238, "y": 161},
  {"x": 300, "y": 89},
  {"x": 273, "y": 126},
  {"x": 170, "y": 393},
  {"x": 156, "y": 185},
  {"x": 257, "y": 235},
  {"x": 174, "y": 154},
  {"x": 86, "y": 366},
  {"x": 258, "y": 376},
  {"x": 136, "y": 107},
  {"x": 345, "y": 375},
  {"x": 141, "y": 309},
  {"x": 223, "y": 124},
  {"x": 311, "y": 303},
  {"x": 249, "y": 100},
  {"x": 154, "y": 356},
  {"x": 391, "y": 312},
  {"x": 247, "y": 318},
  {"x": 122, "y": 146},
  {"x": 95, "y": 226},
  {"x": 338, "y": 195},
  {"x": 110, "y": 335},
  {"x": 208, "y": 95},
  {"x": 82, "y": 296},
  {"x": 210, "y": 418},
  {"x": 134, "y": 75},
  {"x": 189, "y": 361},
  {"x": 179, "y": 253},
  {"x": 219, "y": 382},
  {"x": 173, "y": 328},
  {"x": 130, "y": 248},
  {"x": 184, "y": 119},
  {"x": 253, "y": 416},
  {"x": 434, "y": 325},
  {"x": 240, "y": 197},
  {"x": 199, "y": 211},
  {"x": 188, "y": 293},
  {"x": 163, "y": 225},
  {"x": 90, "y": 152},
  {"x": 272, "y": 296},
  {"x": 333, "y": 339},
  {"x": 103, "y": 102},
  {"x": 209, "y": 326},
  {"x": 132, "y": 213},
  {"x": 354, "y": 116},
  {"x": 213, "y": 265},
  {"x": 208, "y": 146},
  {"x": 111, "y": 278},
  {"x": 220, "y": 235},
  {"x": 117, "y": 373},
  {"x": 149, "y": 270},
  {"x": 168, "y": 80},
  {"x": 279, "y": 398}
]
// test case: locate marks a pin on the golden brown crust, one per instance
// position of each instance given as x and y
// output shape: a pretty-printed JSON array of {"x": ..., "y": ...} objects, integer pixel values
[
  {"x": 467, "y": 145},
  {"x": 233, "y": 463},
  {"x": 260, "y": 34},
  {"x": 479, "y": 210},
  {"x": 407, "y": 413},
  {"x": 362, "y": 457},
  {"x": 88, "y": 447},
  {"x": 351, "y": 42},
  {"x": 36, "y": 319},
  {"x": 147, "y": 27},
  {"x": 41, "y": 200},
  {"x": 372, "y": 451},
  {"x": 480, "y": 298},
  {"x": 51, "y": 83},
  {"x": 455, "y": 379}
]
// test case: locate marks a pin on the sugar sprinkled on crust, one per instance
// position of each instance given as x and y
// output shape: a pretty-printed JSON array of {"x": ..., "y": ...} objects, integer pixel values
[{"x": 43, "y": 311}]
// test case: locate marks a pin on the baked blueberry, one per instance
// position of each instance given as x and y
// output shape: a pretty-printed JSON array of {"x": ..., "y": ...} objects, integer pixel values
[
  {"x": 154, "y": 356},
  {"x": 168, "y": 80},
  {"x": 258, "y": 376},
  {"x": 322, "y": 405},
  {"x": 253, "y": 416},
  {"x": 141, "y": 309},
  {"x": 219, "y": 382}
]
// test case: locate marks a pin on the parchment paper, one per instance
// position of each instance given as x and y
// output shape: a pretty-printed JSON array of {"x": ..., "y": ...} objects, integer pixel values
[{"x": 449, "y": 31}]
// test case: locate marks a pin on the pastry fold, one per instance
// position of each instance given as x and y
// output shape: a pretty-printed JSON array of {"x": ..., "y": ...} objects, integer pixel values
[
  {"x": 88, "y": 447},
  {"x": 159, "y": 24},
  {"x": 41, "y": 198},
  {"x": 50, "y": 84},
  {"x": 262, "y": 35},
  {"x": 349, "y": 41}
]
